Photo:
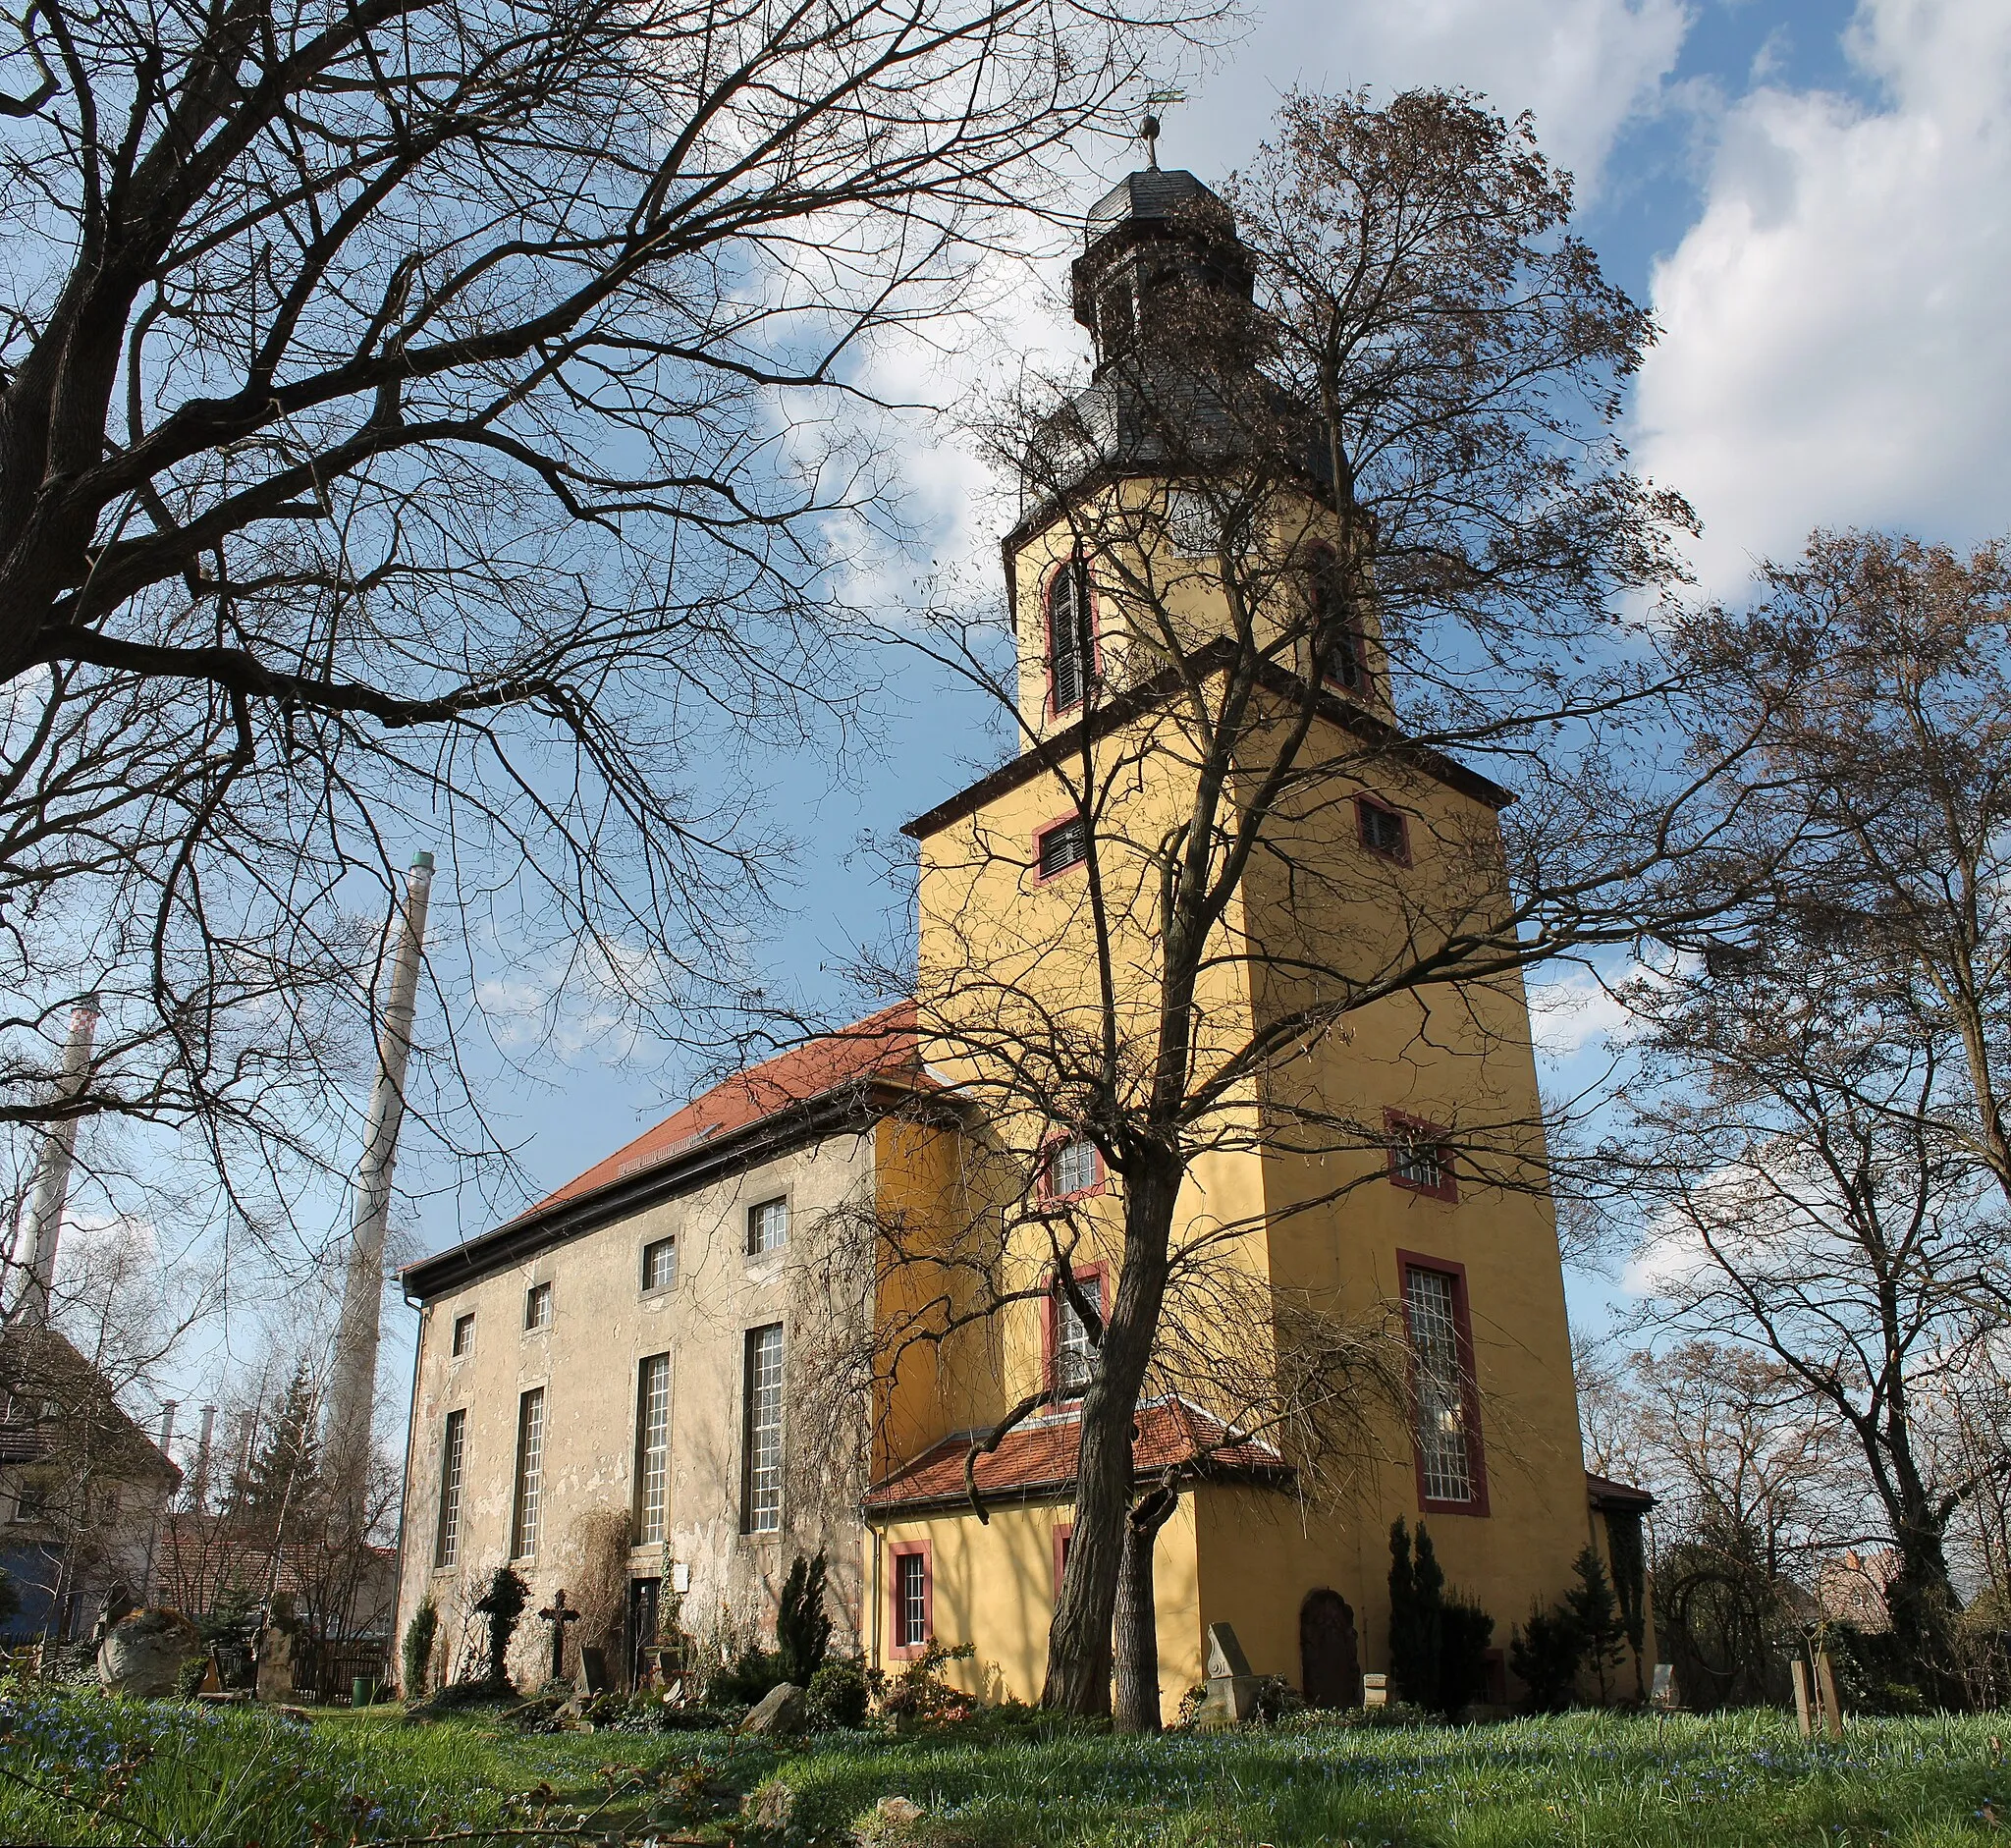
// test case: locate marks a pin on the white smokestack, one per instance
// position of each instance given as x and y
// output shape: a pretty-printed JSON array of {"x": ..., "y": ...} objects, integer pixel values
[
  {"x": 353, "y": 1382},
  {"x": 43, "y": 1223},
  {"x": 168, "y": 1408},
  {"x": 199, "y": 1484}
]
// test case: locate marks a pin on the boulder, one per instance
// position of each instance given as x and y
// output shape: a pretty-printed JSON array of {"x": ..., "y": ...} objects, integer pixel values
[
  {"x": 899, "y": 1811},
  {"x": 782, "y": 1713},
  {"x": 142, "y": 1654}
]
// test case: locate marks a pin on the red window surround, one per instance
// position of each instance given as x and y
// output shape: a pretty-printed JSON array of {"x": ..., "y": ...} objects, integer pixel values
[
  {"x": 898, "y": 1550},
  {"x": 1057, "y": 580},
  {"x": 1383, "y": 830},
  {"x": 1476, "y": 1452},
  {"x": 1092, "y": 1279},
  {"x": 1416, "y": 1148},
  {"x": 1040, "y": 849},
  {"x": 1063, "y": 1534}
]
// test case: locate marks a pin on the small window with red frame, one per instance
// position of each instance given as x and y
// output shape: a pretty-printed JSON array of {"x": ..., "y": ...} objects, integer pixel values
[
  {"x": 1420, "y": 1158},
  {"x": 1071, "y": 1166},
  {"x": 912, "y": 1595},
  {"x": 1383, "y": 830},
  {"x": 1059, "y": 845}
]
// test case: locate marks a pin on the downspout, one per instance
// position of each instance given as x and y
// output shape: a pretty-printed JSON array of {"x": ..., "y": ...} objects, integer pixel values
[
  {"x": 404, "y": 1501},
  {"x": 875, "y": 1595}
]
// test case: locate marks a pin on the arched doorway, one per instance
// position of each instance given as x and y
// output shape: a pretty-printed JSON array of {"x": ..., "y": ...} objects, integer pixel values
[{"x": 1329, "y": 1664}]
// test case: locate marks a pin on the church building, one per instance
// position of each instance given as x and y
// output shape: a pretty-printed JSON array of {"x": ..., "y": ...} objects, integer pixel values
[{"x": 849, "y": 1300}]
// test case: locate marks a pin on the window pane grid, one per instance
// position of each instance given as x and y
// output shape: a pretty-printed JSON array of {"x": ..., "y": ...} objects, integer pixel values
[
  {"x": 764, "y": 1430},
  {"x": 767, "y": 1226},
  {"x": 537, "y": 1306},
  {"x": 446, "y": 1549},
  {"x": 1074, "y": 1358},
  {"x": 1441, "y": 1386},
  {"x": 531, "y": 1473},
  {"x": 653, "y": 1416},
  {"x": 913, "y": 1599},
  {"x": 660, "y": 1264},
  {"x": 1072, "y": 1168}
]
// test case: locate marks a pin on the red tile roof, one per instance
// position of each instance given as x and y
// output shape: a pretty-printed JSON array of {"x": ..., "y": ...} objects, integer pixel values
[
  {"x": 1040, "y": 1457},
  {"x": 882, "y": 1046}
]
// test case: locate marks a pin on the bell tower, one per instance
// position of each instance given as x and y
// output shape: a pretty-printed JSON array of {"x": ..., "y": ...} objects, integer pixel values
[{"x": 1127, "y": 490}]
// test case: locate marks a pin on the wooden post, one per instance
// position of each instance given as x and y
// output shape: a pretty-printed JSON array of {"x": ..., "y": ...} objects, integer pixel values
[
  {"x": 1826, "y": 1683},
  {"x": 1800, "y": 1669}
]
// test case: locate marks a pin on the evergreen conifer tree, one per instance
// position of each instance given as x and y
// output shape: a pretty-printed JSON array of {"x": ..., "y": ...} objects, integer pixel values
[
  {"x": 1417, "y": 1598},
  {"x": 282, "y": 1469},
  {"x": 1596, "y": 1612}
]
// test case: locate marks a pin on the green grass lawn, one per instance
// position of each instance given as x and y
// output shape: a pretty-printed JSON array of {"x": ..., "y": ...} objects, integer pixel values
[{"x": 86, "y": 1770}]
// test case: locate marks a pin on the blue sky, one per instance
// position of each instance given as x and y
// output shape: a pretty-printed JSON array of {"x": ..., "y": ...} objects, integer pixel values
[{"x": 1814, "y": 198}]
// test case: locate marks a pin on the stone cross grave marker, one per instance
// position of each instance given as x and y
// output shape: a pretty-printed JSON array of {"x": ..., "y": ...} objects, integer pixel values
[{"x": 558, "y": 1614}]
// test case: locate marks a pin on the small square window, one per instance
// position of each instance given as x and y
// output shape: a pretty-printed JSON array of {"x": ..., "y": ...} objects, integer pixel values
[
  {"x": 1384, "y": 830},
  {"x": 1070, "y": 1168},
  {"x": 30, "y": 1502},
  {"x": 1065, "y": 844},
  {"x": 1420, "y": 1159},
  {"x": 659, "y": 1264},
  {"x": 463, "y": 1336},
  {"x": 537, "y": 1306},
  {"x": 767, "y": 1226}
]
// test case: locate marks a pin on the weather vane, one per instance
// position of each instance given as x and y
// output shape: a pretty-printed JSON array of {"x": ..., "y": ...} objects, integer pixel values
[{"x": 1148, "y": 130}]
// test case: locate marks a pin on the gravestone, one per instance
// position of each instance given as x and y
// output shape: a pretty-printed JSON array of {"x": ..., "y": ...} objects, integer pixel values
[
  {"x": 1231, "y": 1688},
  {"x": 1375, "y": 1690},
  {"x": 274, "y": 1657},
  {"x": 1663, "y": 1690},
  {"x": 593, "y": 1669}
]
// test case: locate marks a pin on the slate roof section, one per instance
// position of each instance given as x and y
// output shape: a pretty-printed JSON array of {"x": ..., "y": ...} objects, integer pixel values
[
  {"x": 809, "y": 1090},
  {"x": 1037, "y": 1460}
]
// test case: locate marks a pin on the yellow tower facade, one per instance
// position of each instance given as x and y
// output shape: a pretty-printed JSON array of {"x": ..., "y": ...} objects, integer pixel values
[{"x": 1368, "y": 1316}]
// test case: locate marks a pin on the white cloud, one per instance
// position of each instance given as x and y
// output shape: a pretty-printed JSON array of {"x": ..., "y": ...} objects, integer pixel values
[
  {"x": 1582, "y": 66},
  {"x": 1834, "y": 350},
  {"x": 1577, "y": 1011}
]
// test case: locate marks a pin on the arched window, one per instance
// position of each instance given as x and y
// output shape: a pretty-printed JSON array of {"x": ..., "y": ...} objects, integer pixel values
[
  {"x": 1343, "y": 657},
  {"x": 1072, "y": 636}
]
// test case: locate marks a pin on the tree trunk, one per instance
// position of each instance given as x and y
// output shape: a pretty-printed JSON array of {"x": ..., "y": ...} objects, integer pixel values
[
  {"x": 1078, "y": 1679},
  {"x": 1135, "y": 1641}
]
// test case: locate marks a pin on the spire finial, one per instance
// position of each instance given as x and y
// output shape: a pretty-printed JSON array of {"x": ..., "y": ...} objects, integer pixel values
[{"x": 1149, "y": 129}]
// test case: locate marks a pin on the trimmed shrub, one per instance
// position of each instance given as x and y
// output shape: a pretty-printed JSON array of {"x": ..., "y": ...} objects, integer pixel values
[
  {"x": 839, "y": 1694},
  {"x": 416, "y": 1656}
]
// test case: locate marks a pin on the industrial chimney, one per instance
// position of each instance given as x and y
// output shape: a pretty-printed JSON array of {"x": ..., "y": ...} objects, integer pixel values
[
  {"x": 353, "y": 1382},
  {"x": 43, "y": 1223}
]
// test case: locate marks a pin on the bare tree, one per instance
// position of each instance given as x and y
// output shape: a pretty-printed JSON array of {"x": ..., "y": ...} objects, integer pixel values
[
  {"x": 422, "y": 426},
  {"x": 1794, "y": 1194},
  {"x": 1874, "y": 675},
  {"x": 1342, "y": 499}
]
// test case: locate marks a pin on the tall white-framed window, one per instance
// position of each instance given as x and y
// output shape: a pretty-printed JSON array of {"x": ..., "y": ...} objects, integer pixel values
[
  {"x": 530, "y": 1474},
  {"x": 761, "y": 1450},
  {"x": 653, "y": 1448},
  {"x": 453, "y": 1458},
  {"x": 1446, "y": 1472},
  {"x": 1074, "y": 1355}
]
